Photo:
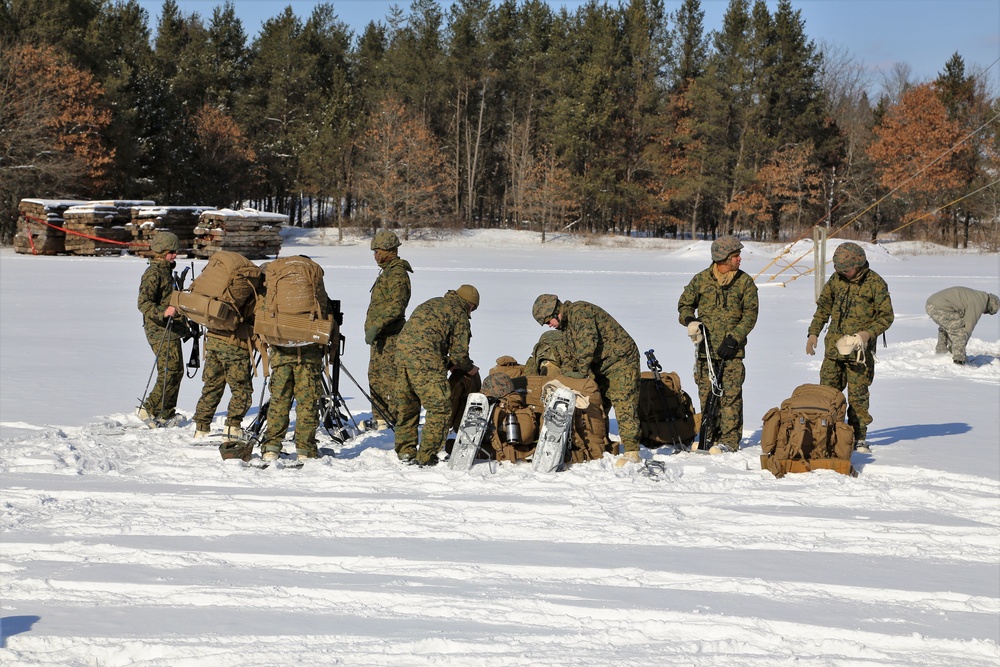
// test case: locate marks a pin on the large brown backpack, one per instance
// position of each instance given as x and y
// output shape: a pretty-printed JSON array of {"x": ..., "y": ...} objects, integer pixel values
[
  {"x": 295, "y": 308},
  {"x": 223, "y": 294},
  {"x": 809, "y": 426},
  {"x": 666, "y": 413}
]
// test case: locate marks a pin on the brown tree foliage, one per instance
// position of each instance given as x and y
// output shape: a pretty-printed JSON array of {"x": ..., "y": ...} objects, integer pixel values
[
  {"x": 226, "y": 160},
  {"x": 51, "y": 119},
  {"x": 402, "y": 178},
  {"x": 911, "y": 152}
]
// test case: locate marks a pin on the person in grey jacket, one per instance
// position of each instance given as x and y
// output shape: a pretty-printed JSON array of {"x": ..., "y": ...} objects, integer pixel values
[{"x": 956, "y": 311}]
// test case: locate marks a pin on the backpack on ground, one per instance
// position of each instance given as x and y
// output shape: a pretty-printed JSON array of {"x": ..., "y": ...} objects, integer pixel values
[
  {"x": 666, "y": 413},
  {"x": 295, "y": 308},
  {"x": 808, "y": 431},
  {"x": 223, "y": 295},
  {"x": 514, "y": 431}
]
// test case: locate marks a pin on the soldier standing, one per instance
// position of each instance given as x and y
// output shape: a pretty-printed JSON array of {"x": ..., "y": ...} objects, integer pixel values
[
  {"x": 723, "y": 299},
  {"x": 295, "y": 376},
  {"x": 227, "y": 361},
  {"x": 434, "y": 341},
  {"x": 164, "y": 330},
  {"x": 956, "y": 311},
  {"x": 385, "y": 319},
  {"x": 855, "y": 301},
  {"x": 599, "y": 347}
]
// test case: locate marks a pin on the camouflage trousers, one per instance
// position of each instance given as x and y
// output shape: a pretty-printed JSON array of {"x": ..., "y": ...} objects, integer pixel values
[
  {"x": 620, "y": 388},
  {"x": 301, "y": 383},
  {"x": 382, "y": 376},
  {"x": 730, "y": 429},
  {"x": 416, "y": 387},
  {"x": 952, "y": 336},
  {"x": 225, "y": 364},
  {"x": 857, "y": 378},
  {"x": 161, "y": 402}
]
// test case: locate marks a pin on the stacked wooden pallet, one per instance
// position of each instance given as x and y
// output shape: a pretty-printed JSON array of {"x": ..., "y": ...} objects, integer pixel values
[
  {"x": 39, "y": 226},
  {"x": 100, "y": 227},
  {"x": 147, "y": 221},
  {"x": 252, "y": 233}
]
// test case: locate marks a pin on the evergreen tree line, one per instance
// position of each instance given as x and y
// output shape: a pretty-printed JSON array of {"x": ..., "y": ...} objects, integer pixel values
[{"x": 620, "y": 119}]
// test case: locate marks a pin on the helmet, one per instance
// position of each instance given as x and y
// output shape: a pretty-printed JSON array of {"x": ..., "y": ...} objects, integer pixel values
[
  {"x": 849, "y": 256},
  {"x": 545, "y": 308},
  {"x": 165, "y": 242},
  {"x": 498, "y": 385},
  {"x": 724, "y": 246},
  {"x": 385, "y": 239},
  {"x": 992, "y": 304},
  {"x": 470, "y": 294}
]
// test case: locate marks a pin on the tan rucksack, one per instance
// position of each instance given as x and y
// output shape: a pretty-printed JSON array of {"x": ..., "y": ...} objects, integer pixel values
[
  {"x": 513, "y": 406},
  {"x": 223, "y": 294},
  {"x": 809, "y": 426},
  {"x": 666, "y": 413},
  {"x": 294, "y": 309}
]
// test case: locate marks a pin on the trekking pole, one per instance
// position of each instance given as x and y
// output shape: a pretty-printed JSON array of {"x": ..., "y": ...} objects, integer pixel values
[
  {"x": 156, "y": 360},
  {"x": 257, "y": 425},
  {"x": 330, "y": 411},
  {"x": 381, "y": 407}
]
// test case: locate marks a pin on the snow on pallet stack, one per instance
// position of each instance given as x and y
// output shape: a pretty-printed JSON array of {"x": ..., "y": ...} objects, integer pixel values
[
  {"x": 147, "y": 221},
  {"x": 39, "y": 226},
  {"x": 254, "y": 234},
  {"x": 99, "y": 227}
]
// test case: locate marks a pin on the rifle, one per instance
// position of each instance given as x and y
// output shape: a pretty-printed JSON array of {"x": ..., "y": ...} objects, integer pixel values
[
  {"x": 654, "y": 365},
  {"x": 710, "y": 411},
  {"x": 252, "y": 432},
  {"x": 193, "y": 332}
]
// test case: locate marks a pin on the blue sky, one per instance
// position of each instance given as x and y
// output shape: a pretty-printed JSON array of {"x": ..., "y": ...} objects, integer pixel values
[{"x": 922, "y": 33}]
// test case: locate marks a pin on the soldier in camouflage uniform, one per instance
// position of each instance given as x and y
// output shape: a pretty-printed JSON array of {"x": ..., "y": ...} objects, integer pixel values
[
  {"x": 227, "y": 361},
  {"x": 550, "y": 355},
  {"x": 724, "y": 300},
  {"x": 433, "y": 341},
  {"x": 598, "y": 346},
  {"x": 855, "y": 301},
  {"x": 385, "y": 319},
  {"x": 164, "y": 329},
  {"x": 295, "y": 375},
  {"x": 956, "y": 311}
]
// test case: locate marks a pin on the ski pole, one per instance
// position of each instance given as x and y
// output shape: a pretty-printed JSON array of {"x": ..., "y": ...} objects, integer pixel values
[
  {"x": 383, "y": 409},
  {"x": 156, "y": 360}
]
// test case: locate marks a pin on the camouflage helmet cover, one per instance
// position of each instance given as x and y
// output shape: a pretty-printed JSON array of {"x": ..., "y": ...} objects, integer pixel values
[
  {"x": 470, "y": 294},
  {"x": 385, "y": 239},
  {"x": 498, "y": 385},
  {"x": 992, "y": 304},
  {"x": 848, "y": 256},
  {"x": 165, "y": 242},
  {"x": 546, "y": 307},
  {"x": 724, "y": 247}
]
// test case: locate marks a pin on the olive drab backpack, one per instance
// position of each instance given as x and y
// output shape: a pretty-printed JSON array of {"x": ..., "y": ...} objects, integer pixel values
[
  {"x": 666, "y": 413},
  {"x": 223, "y": 295},
  {"x": 808, "y": 431},
  {"x": 295, "y": 308}
]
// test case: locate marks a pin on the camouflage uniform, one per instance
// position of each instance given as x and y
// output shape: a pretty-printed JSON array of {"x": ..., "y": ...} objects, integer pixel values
[
  {"x": 599, "y": 346},
  {"x": 956, "y": 311},
  {"x": 387, "y": 314},
  {"x": 434, "y": 340},
  {"x": 851, "y": 306},
  {"x": 295, "y": 375},
  {"x": 227, "y": 361},
  {"x": 727, "y": 305},
  {"x": 155, "y": 288},
  {"x": 550, "y": 350}
]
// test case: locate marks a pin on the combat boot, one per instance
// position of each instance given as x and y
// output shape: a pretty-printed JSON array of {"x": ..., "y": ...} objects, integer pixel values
[{"x": 862, "y": 446}]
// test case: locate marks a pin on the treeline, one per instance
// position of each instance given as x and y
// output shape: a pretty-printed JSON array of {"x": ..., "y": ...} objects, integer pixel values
[{"x": 618, "y": 119}]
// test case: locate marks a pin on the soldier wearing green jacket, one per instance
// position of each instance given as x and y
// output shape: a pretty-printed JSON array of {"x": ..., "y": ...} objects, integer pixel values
[
  {"x": 855, "y": 302},
  {"x": 550, "y": 355},
  {"x": 720, "y": 306},
  {"x": 385, "y": 319},
  {"x": 164, "y": 328},
  {"x": 434, "y": 341},
  {"x": 956, "y": 311},
  {"x": 598, "y": 346}
]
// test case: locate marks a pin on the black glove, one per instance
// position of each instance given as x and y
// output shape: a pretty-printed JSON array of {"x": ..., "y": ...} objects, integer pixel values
[
  {"x": 688, "y": 320},
  {"x": 727, "y": 350}
]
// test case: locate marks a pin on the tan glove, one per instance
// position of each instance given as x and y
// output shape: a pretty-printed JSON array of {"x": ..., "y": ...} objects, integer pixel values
[
  {"x": 627, "y": 457},
  {"x": 811, "y": 345},
  {"x": 694, "y": 333},
  {"x": 865, "y": 337}
]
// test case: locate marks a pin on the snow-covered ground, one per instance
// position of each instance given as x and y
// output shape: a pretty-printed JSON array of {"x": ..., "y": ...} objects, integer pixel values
[{"x": 124, "y": 546}]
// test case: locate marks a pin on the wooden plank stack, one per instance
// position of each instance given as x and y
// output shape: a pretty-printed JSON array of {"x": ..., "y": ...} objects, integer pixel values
[
  {"x": 35, "y": 236},
  {"x": 147, "y": 221},
  {"x": 252, "y": 233},
  {"x": 99, "y": 226}
]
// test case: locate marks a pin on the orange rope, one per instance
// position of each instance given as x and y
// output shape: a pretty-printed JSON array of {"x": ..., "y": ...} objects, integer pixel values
[{"x": 86, "y": 236}]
